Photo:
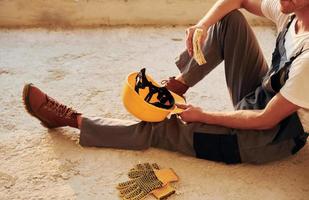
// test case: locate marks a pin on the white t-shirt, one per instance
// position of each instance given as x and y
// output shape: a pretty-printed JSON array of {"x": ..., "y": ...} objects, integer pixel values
[{"x": 296, "y": 88}]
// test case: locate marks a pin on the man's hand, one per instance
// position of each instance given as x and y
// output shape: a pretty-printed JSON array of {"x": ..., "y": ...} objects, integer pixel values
[
  {"x": 189, "y": 37},
  {"x": 190, "y": 113}
]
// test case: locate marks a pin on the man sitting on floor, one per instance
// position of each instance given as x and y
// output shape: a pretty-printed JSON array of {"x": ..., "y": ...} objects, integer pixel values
[{"x": 271, "y": 117}]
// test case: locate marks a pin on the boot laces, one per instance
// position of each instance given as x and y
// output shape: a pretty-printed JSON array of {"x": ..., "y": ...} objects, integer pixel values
[
  {"x": 60, "y": 109},
  {"x": 165, "y": 81}
]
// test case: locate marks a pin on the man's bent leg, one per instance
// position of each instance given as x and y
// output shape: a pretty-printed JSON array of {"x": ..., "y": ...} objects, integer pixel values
[
  {"x": 245, "y": 65},
  {"x": 231, "y": 40}
]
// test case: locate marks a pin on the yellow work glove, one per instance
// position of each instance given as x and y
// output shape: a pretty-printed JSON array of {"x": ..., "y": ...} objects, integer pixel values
[
  {"x": 146, "y": 182},
  {"x": 139, "y": 170}
]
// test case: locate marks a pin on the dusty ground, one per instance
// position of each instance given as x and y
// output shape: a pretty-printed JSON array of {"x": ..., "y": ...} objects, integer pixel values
[{"x": 86, "y": 69}]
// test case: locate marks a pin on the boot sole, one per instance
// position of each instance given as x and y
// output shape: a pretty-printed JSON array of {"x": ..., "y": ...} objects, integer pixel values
[{"x": 28, "y": 107}]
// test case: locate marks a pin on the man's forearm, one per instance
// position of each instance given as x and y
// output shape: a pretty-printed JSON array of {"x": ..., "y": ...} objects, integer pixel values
[
  {"x": 219, "y": 10},
  {"x": 241, "y": 119},
  {"x": 277, "y": 109}
]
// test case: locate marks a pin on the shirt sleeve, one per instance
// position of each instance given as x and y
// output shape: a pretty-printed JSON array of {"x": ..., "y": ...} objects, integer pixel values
[
  {"x": 296, "y": 88},
  {"x": 271, "y": 10}
]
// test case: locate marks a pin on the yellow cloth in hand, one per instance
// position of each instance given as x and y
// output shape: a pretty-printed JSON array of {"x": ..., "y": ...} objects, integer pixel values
[{"x": 197, "y": 49}]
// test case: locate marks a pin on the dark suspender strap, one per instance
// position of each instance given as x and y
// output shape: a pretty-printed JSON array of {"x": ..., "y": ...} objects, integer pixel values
[
  {"x": 163, "y": 96},
  {"x": 282, "y": 74},
  {"x": 276, "y": 56},
  {"x": 289, "y": 63}
]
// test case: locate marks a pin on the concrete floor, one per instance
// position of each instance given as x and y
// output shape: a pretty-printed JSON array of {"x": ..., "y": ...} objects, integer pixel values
[{"x": 86, "y": 69}]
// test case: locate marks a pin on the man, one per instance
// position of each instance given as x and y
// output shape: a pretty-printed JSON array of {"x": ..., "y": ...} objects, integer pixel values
[{"x": 271, "y": 117}]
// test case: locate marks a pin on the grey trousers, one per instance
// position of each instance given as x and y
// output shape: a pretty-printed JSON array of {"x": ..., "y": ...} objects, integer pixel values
[{"x": 230, "y": 40}]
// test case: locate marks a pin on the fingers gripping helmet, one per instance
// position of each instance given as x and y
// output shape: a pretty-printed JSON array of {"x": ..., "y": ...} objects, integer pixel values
[{"x": 146, "y": 99}]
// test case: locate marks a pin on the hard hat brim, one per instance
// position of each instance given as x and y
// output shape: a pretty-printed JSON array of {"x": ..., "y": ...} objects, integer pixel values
[{"x": 178, "y": 100}]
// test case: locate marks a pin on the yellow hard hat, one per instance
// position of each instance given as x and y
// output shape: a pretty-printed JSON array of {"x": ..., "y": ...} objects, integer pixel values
[{"x": 147, "y": 100}]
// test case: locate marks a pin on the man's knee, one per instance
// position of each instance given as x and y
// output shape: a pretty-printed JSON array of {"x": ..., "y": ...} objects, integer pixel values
[
  {"x": 234, "y": 15},
  {"x": 234, "y": 19}
]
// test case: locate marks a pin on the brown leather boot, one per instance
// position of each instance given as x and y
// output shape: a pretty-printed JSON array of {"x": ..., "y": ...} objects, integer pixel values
[
  {"x": 175, "y": 86},
  {"x": 51, "y": 113}
]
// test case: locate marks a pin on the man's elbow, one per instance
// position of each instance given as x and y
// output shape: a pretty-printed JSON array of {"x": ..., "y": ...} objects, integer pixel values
[{"x": 243, "y": 4}]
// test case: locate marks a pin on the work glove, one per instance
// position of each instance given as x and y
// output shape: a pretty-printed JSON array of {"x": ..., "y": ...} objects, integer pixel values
[
  {"x": 145, "y": 179},
  {"x": 139, "y": 170}
]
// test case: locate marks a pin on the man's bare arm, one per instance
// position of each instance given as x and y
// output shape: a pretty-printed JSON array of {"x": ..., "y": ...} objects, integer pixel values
[
  {"x": 223, "y": 7},
  {"x": 218, "y": 11},
  {"x": 253, "y": 6},
  {"x": 276, "y": 110}
]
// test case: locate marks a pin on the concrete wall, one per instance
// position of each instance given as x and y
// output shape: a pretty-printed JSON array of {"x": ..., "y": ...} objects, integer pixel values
[{"x": 71, "y": 13}]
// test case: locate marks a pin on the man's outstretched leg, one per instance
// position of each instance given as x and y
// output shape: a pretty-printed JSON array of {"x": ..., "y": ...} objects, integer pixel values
[
  {"x": 107, "y": 132},
  {"x": 171, "y": 134}
]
